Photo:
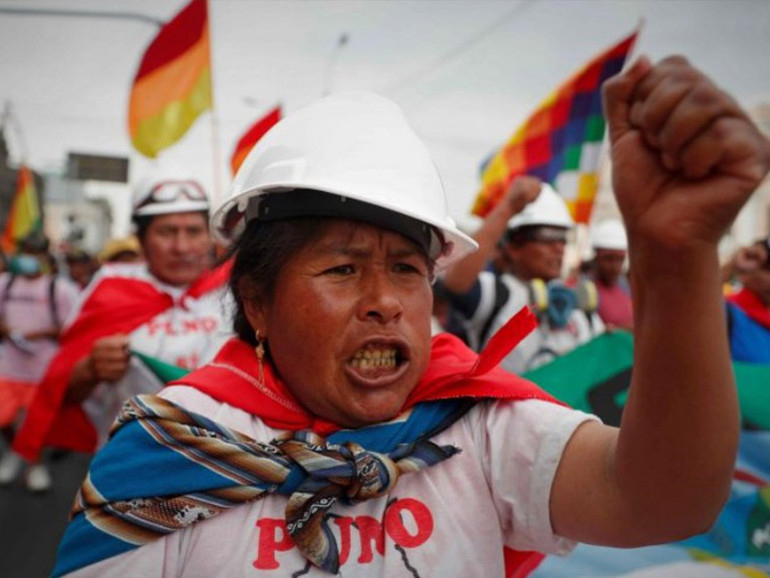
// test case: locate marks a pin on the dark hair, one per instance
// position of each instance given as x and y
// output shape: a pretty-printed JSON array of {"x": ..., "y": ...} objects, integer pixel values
[
  {"x": 765, "y": 244},
  {"x": 259, "y": 255},
  {"x": 520, "y": 236},
  {"x": 142, "y": 222},
  {"x": 34, "y": 242}
]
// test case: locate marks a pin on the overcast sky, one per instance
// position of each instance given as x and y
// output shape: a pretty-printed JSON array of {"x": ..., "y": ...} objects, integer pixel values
[{"x": 465, "y": 73}]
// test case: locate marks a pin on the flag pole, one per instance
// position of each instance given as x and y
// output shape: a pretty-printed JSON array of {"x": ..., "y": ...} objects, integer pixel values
[
  {"x": 342, "y": 41},
  {"x": 216, "y": 151},
  {"x": 216, "y": 154},
  {"x": 583, "y": 237}
]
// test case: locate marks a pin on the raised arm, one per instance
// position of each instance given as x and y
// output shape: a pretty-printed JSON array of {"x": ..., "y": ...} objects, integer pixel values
[
  {"x": 459, "y": 278},
  {"x": 685, "y": 159}
]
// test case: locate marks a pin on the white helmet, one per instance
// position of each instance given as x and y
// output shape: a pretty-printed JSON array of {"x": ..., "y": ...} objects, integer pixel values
[
  {"x": 349, "y": 150},
  {"x": 609, "y": 234},
  {"x": 549, "y": 209},
  {"x": 168, "y": 192}
]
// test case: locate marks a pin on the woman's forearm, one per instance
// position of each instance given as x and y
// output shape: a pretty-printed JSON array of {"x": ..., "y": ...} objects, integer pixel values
[{"x": 680, "y": 425}]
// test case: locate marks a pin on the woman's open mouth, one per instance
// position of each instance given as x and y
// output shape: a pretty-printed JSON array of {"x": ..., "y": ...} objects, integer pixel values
[{"x": 377, "y": 364}]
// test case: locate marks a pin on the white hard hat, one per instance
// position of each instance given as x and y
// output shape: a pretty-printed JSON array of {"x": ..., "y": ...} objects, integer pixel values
[
  {"x": 609, "y": 234},
  {"x": 352, "y": 150},
  {"x": 168, "y": 192},
  {"x": 549, "y": 209}
]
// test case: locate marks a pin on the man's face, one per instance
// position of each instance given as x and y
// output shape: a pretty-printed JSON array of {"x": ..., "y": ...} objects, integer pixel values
[
  {"x": 80, "y": 270},
  {"x": 177, "y": 247},
  {"x": 609, "y": 265},
  {"x": 541, "y": 255}
]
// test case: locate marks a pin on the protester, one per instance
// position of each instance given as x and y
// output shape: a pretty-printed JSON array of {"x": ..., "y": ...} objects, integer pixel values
[
  {"x": 81, "y": 266},
  {"x": 33, "y": 306},
  {"x": 341, "y": 223},
  {"x": 748, "y": 310},
  {"x": 121, "y": 250},
  {"x": 610, "y": 246},
  {"x": 169, "y": 307},
  {"x": 530, "y": 226}
]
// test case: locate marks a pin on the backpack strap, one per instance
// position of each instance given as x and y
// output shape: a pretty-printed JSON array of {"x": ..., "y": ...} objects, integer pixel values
[
  {"x": 52, "y": 302},
  {"x": 7, "y": 292},
  {"x": 501, "y": 298}
]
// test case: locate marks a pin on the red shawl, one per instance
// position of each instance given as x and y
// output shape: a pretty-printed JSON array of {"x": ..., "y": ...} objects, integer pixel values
[
  {"x": 115, "y": 305},
  {"x": 453, "y": 371},
  {"x": 750, "y": 303}
]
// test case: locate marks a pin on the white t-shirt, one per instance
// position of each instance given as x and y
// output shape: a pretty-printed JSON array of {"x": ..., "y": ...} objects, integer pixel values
[
  {"x": 188, "y": 335},
  {"x": 451, "y": 519},
  {"x": 25, "y": 308}
]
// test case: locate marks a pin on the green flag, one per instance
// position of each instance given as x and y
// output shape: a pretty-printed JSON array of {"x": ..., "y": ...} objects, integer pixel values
[
  {"x": 162, "y": 371},
  {"x": 595, "y": 377}
]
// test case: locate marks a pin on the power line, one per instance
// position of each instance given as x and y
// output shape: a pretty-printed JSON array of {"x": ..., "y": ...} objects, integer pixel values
[
  {"x": 421, "y": 74},
  {"x": 82, "y": 14}
]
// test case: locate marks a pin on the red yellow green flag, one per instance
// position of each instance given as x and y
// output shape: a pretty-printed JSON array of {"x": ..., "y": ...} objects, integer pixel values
[
  {"x": 561, "y": 141},
  {"x": 173, "y": 84},
  {"x": 250, "y": 138},
  {"x": 24, "y": 216}
]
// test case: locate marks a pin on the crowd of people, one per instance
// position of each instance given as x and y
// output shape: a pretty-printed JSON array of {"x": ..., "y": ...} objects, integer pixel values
[
  {"x": 315, "y": 382},
  {"x": 155, "y": 293}
]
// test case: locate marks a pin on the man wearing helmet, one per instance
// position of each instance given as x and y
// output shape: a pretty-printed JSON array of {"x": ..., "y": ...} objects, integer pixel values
[
  {"x": 530, "y": 227},
  {"x": 610, "y": 246},
  {"x": 168, "y": 307}
]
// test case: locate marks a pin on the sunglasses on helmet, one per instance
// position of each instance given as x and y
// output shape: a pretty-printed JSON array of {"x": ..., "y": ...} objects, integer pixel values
[{"x": 171, "y": 191}]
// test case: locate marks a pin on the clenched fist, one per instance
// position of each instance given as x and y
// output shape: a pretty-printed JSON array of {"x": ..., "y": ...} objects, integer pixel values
[
  {"x": 685, "y": 156},
  {"x": 110, "y": 358}
]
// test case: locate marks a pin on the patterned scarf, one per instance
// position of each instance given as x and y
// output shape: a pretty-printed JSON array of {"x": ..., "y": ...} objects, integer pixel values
[
  {"x": 165, "y": 468},
  {"x": 193, "y": 468}
]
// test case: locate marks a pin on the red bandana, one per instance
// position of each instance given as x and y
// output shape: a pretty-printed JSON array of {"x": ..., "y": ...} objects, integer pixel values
[{"x": 750, "y": 303}]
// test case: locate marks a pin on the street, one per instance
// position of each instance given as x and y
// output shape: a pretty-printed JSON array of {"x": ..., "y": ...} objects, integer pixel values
[{"x": 32, "y": 524}]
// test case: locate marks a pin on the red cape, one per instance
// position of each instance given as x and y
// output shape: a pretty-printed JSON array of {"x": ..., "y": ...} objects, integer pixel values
[
  {"x": 750, "y": 303},
  {"x": 115, "y": 305},
  {"x": 454, "y": 371}
]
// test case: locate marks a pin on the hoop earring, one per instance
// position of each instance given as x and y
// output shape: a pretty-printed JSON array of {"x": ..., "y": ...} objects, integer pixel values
[{"x": 259, "y": 349}]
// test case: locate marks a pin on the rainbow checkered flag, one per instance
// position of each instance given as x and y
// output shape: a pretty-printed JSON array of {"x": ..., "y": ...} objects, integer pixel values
[{"x": 560, "y": 143}]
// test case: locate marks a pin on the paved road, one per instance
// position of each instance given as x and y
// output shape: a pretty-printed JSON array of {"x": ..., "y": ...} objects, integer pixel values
[{"x": 31, "y": 524}]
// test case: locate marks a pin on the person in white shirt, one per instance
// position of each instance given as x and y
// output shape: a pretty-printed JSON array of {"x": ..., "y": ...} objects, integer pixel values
[
  {"x": 529, "y": 227},
  {"x": 324, "y": 438}
]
